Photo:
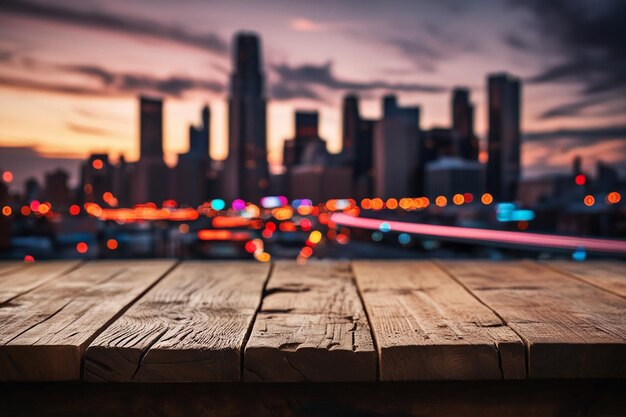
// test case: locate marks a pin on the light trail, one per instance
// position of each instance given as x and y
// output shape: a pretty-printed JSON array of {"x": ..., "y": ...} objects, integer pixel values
[{"x": 486, "y": 235}]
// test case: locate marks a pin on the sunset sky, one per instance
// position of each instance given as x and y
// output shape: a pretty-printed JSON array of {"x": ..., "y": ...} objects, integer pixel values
[{"x": 71, "y": 71}]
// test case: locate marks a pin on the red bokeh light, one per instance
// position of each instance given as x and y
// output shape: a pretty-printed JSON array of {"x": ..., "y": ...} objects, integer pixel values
[
  {"x": 580, "y": 179},
  {"x": 97, "y": 164},
  {"x": 82, "y": 247}
]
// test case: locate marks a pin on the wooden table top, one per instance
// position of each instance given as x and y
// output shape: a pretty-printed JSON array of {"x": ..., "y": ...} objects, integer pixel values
[{"x": 217, "y": 321}]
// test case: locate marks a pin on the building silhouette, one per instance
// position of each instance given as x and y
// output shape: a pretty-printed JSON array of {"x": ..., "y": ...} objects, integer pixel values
[
  {"x": 463, "y": 124},
  {"x": 391, "y": 110},
  {"x": 350, "y": 126},
  {"x": 396, "y": 150},
  {"x": 96, "y": 178},
  {"x": 503, "y": 167},
  {"x": 122, "y": 181},
  {"x": 306, "y": 148},
  {"x": 453, "y": 175},
  {"x": 151, "y": 127},
  {"x": 151, "y": 179},
  {"x": 200, "y": 136},
  {"x": 246, "y": 173},
  {"x": 56, "y": 189},
  {"x": 191, "y": 175}
]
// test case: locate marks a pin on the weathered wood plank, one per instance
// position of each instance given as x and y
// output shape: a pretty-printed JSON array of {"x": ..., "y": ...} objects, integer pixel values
[
  {"x": 609, "y": 275},
  {"x": 19, "y": 277},
  {"x": 571, "y": 329},
  {"x": 428, "y": 327},
  {"x": 311, "y": 327},
  {"x": 6, "y": 266},
  {"x": 43, "y": 333},
  {"x": 190, "y": 327}
]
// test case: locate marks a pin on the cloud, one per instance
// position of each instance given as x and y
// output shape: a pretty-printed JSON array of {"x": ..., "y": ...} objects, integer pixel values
[
  {"x": 288, "y": 91},
  {"x": 113, "y": 84},
  {"x": 211, "y": 42},
  {"x": 592, "y": 134},
  {"x": 38, "y": 86},
  {"x": 431, "y": 45},
  {"x": 557, "y": 156},
  {"x": 174, "y": 86},
  {"x": 311, "y": 75},
  {"x": 552, "y": 151},
  {"x": 575, "y": 108},
  {"x": 301, "y": 24},
  {"x": 424, "y": 55},
  {"x": 515, "y": 41},
  {"x": 88, "y": 130},
  {"x": 589, "y": 38}
]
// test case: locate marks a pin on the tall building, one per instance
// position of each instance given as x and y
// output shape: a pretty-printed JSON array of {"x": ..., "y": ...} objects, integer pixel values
[
  {"x": 200, "y": 136},
  {"x": 194, "y": 167},
  {"x": 246, "y": 172},
  {"x": 306, "y": 148},
  {"x": 350, "y": 126},
  {"x": 391, "y": 109},
  {"x": 434, "y": 144},
  {"x": 503, "y": 167},
  {"x": 463, "y": 124},
  {"x": 396, "y": 150},
  {"x": 151, "y": 127},
  {"x": 395, "y": 158},
  {"x": 96, "y": 177},
  {"x": 151, "y": 177},
  {"x": 56, "y": 189},
  {"x": 123, "y": 181}
]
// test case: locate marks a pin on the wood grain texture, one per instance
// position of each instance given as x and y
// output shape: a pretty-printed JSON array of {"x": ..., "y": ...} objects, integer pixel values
[
  {"x": 43, "y": 333},
  {"x": 19, "y": 277},
  {"x": 609, "y": 275},
  {"x": 428, "y": 327},
  {"x": 189, "y": 327},
  {"x": 311, "y": 327},
  {"x": 571, "y": 329},
  {"x": 6, "y": 266}
]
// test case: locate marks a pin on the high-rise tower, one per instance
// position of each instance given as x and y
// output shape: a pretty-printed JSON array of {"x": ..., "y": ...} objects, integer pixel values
[
  {"x": 350, "y": 125},
  {"x": 151, "y": 127},
  {"x": 463, "y": 123},
  {"x": 246, "y": 173},
  {"x": 151, "y": 177},
  {"x": 199, "y": 136},
  {"x": 503, "y": 167}
]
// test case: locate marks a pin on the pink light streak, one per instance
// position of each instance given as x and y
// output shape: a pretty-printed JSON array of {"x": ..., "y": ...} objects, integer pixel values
[{"x": 516, "y": 238}]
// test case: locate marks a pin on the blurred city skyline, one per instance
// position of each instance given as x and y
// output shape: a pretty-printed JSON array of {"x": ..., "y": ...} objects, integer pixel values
[{"x": 64, "y": 99}]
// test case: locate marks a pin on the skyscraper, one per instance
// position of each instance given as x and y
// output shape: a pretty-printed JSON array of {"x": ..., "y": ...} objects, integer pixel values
[
  {"x": 396, "y": 150},
  {"x": 151, "y": 127},
  {"x": 391, "y": 110},
  {"x": 200, "y": 136},
  {"x": 194, "y": 167},
  {"x": 503, "y": 167},
  {"x": 350, "y": 126},
  {"x": 246, "y": 173},
  {"x": 306, "y": 147},
  {"x": 151, "y": 177},
  {"x": 463, "y": 123},
  {"x": 357, "y": 135}
]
